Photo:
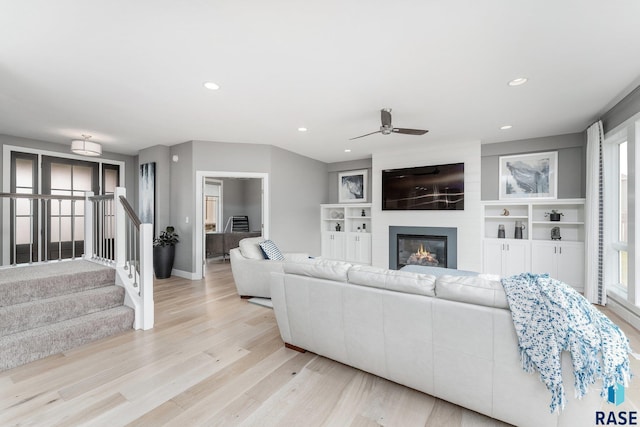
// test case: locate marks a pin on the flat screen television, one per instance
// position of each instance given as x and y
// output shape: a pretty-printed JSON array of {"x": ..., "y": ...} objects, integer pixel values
[{"x": 439, "y": 187}]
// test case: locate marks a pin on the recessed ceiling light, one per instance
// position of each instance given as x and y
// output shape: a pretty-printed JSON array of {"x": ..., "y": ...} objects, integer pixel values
[
  {"x": 519, "y": 81},
  {"x": 211, "y": 86},
  {"x": 302, "y": 129},
  {"x": 505, "y": 127},
  {"x": 347, "y": 150}
]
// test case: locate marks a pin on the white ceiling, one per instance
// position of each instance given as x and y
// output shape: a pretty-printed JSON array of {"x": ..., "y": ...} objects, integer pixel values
[{"x": 130, "y": 72}]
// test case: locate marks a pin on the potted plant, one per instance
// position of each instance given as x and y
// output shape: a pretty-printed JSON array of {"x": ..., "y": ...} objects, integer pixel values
[
  {"x": 554, "y": 215},
  {"x": 164, "y": 252}
]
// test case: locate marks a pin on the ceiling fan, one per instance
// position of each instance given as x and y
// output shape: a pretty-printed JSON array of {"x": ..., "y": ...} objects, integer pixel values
[{"x": 386, "y": 128}]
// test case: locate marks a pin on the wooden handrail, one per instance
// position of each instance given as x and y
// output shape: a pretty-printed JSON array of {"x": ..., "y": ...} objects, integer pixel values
[{"x": 130, "y": 212}]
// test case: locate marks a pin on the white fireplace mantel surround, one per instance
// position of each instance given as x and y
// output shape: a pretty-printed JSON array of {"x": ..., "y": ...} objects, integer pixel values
[{"x": 467, "y": 222}]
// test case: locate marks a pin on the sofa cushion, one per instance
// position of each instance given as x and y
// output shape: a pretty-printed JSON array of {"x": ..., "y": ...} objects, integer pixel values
[
  {"x": 393, "y": 280},
  {"x": 249, "y": 247},
  {"x": 473, "y": 290},
  {"x": 320, "y": 268},
  {"x": 271, "y": 251}
]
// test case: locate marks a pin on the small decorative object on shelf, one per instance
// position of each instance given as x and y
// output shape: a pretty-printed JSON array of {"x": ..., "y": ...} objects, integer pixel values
[
  {"x": 500, "y": 231},
  {"x": 554, "y": 215},
  {"x": 505, "y": 212},
  {"x": 364, "y": 227},
  {"x": 555, "y": 233},
  {"x": 363, "y": 213},
  {"x": 338, "y": 226},
  {"x": 518, "y": 231}
]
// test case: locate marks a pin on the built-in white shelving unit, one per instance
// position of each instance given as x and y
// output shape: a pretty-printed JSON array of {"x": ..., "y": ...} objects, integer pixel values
[
  {"x": 346, "y": 232},
  {"x": 536, "y": 252}
]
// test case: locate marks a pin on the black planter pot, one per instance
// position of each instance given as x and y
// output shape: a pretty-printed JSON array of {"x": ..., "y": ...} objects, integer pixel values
[
  {"x": 163, "y": 261},
  {"x": 554, "y": 216}
]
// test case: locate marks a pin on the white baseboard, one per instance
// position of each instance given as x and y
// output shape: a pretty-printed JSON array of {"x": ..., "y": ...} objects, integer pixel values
[
  {"x": 630, "y": 314},
  {"x": 185, "y": 274}
]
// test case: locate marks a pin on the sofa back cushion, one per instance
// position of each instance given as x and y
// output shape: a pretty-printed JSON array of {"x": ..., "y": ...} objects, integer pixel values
[
  {"x": 320, "y": 268},
  {"x": 473, "y": 290},
  {"x": 393, "y": 280},
  {"x": 250, "y": 247}
]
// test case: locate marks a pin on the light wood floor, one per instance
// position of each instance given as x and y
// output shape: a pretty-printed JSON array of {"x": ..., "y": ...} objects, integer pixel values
[{"x": 215, "y": 360}]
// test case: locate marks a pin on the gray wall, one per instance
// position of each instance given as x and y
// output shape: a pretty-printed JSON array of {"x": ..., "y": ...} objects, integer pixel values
[
  {"x": 160, "y": 155},
  {"x": 182, "y": 206},
  {"x": 242, "y": 197},
  {"x": 297, "y": 189},
  {"x": 571, "y": 162},
  {"x": 335, "y": 168},
  {"x": 297, "y": 186},
  {"x": 629, "y": 106}
]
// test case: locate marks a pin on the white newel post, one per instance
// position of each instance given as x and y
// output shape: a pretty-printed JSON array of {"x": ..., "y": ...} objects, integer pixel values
[
  {"x": 88, "y": 225},
  {"x": 146, "y": 274},
  {"x": 121, "y": 228}
]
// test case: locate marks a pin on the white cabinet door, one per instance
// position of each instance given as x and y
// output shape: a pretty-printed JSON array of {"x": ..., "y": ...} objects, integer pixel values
[
  {"x": 571, "y": 263},
  {"x": 562, "y": 261},
  {"x": 333, "y": 245},
  {"x": 516, "y": 257},
  {"x": 544, "y": 258},
  {"x": 505, "y": 257},
  {"x": 492, "y": 256},
  {"x": 359, "y": 248}
]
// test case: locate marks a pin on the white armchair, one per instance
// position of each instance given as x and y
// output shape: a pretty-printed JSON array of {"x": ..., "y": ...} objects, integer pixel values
[{"x": 251, "y": 271}]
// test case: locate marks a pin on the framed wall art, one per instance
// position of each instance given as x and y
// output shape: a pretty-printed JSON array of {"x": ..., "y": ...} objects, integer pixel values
[
  {"x": 352, "y": 186},
  {"x": 527, "y": 176}
]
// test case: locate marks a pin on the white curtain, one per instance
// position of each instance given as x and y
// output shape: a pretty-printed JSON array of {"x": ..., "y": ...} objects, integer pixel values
[{"x": 594, "y": 288}]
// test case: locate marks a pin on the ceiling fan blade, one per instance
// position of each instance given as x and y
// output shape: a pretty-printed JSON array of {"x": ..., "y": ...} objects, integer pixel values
[
  {"x": 409, "y": 131},
  {"x": 367, "y": 134},
  {"x": 385, "y": 117}
]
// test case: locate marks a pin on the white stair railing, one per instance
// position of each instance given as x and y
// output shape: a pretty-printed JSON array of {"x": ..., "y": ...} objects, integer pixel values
[{"x": 116, "y": 237}]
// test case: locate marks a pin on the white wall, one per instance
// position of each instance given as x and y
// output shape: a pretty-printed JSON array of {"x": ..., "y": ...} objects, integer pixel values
[{"x": 467, "y": 221}]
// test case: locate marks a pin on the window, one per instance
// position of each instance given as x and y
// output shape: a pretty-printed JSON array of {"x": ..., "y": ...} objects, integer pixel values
[
  {"x": 43, "y": 230},
  {"x": 619, "y": 213}
]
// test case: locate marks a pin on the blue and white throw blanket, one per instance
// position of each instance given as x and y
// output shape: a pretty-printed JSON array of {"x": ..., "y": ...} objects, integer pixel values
[{"x": 551, "y": 317}]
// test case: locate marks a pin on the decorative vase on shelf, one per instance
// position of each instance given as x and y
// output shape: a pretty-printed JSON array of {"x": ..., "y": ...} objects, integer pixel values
[
  {"x": 518, "y": 231},
  {"x": 501, "y": 231},
  {"x": 338, "y": 226}
]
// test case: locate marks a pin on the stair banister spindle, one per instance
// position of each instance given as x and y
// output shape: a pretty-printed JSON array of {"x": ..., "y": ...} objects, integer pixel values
[
  {"x": 44, "y": 226},
  {"x": 31, "y": 211},
  {"x": 130, "y": 249},
  {"x": 73, "y": 229},
  {"x": 15, "y": 226},
  {"x": 59, "y": 229}
]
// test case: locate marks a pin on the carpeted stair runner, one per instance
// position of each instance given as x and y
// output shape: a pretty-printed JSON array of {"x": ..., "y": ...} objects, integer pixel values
[{"x": 51, "y": 308}]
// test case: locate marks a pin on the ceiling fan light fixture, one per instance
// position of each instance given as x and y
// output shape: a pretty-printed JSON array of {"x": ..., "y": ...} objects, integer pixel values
[
  {"x": 84, "y": 147},
  {"x": 505, "y": 127}
]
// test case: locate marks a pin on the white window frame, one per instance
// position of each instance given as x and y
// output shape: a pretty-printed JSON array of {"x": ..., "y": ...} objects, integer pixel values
[{"x": 629, "y": 131}]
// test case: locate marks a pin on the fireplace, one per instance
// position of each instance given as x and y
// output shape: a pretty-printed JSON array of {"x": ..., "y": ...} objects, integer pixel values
[
  {"x": 418, "y": 249},
  {"x": 425, "y": 246}
]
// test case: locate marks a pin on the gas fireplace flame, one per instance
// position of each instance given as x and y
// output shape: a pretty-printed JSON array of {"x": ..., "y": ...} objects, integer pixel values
[{"x": 422, "y": 257}]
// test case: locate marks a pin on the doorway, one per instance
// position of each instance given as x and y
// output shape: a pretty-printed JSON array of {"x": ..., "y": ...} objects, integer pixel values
[{"x": 251, "y": 185}]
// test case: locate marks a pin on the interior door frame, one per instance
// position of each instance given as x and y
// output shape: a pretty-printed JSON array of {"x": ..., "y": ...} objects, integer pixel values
[{"x": 198, "y": 247}]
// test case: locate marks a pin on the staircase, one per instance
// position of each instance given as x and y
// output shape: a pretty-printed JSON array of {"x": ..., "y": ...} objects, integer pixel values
[{"x": 51, "y": 308}]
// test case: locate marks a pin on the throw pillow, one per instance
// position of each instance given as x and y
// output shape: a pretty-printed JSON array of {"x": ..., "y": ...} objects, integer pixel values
[{"x": 271, "y": 251}]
